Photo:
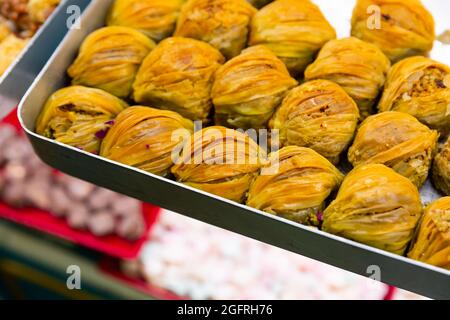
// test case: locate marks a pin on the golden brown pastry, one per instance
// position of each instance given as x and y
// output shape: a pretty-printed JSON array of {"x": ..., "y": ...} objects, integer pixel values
[
  {"x": 404, "y": 28},
  {"x": 421, "y": 87},
  {"x": 178, "y": 75},
  {"x": 79, "y": 116},
  {"x": 221, "y": 161},
  {"x": 16, "y": 13},
  {"x": 109, "y": 59},
  {"x": 10, "y": 49},
  {"x": 376, "y": 206},
  {"x": 5, "y": 29},
  {"x": 396, "y": 140},
  {"x": 357, "y": 66},
  {"x": 294, "y": 30},
  {"x": 259, "y": 3},
  {"x": 155, "y": 18},
  {"x": 224, "y": 24},
  {"x": 40, "y": 10},
  {"x": 441, "y": 169},
  {"x": 319, "y": 115},
  {"x": 249, "y": 87},
  {"x": 294, "y": 184},
  {"x": 144, "y": 138},
  {"x": 432, "y": 241}
]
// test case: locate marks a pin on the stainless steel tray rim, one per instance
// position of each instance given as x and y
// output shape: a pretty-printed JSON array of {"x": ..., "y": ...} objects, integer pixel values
[{"x": 243, "y": 206}]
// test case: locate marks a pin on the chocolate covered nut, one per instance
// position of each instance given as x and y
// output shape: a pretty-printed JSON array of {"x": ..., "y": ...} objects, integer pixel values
[
  {"x": 61, "y": 202},
  {"x": 37, "y": 193},
  {"x": 100, "y": 198},
  {"x": 131, "y": 227},
  {"x": 101, "y": 223},
  {"x": 78, "y": 216}
]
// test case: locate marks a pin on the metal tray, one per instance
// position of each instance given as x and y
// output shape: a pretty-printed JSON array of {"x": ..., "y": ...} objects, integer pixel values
[
  {"x": 396, "y": 270},
  {"x": 21, "y": 73}
]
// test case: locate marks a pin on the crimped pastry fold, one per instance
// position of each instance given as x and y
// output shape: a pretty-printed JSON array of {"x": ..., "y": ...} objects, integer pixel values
[
  {"x": 432, "y": 241},
  {"x": 145, "y": 138},
  {"x": 109, "y": 59},
  {"x": 155, "y": 18},
  {"x": 396, "y": 140},
  {"x": 406, "y": 27},
  {"x": 297, "y": 183},
  {"x": 79, "y": 116},
  {"x": 421, "y": 87},
  {"x": 441, "y": 169},
  {"x": 357, "y": 66},
  {"x": 249, "y": 87},
  {"x": 375, "y": 206},
  {"x": 294, "y": 30},
  {"x": 319, "y": 115},
  {"x": 224, "y": 24},
  {"x": 178, "y": 75},
  {"x": 221, "y": 161}
]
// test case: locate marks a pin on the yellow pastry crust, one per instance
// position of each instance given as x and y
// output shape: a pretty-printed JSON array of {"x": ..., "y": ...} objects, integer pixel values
[
  {"x": 249, "y": 87},
  {"x": 178, "y": 75},
  {"x": 224, "y": 24},
  {"x": 294, "y": 30},
  {"x": 109, "y": 59},
  {"x": 155, "y": 18},
  {"x": 40, "y": 10},
  {"x": 79, "y": 116},
  {"x": 432, "y": 242},
  {"x": 375, "y": 206},
  {"x": 145, "y": 138},
  {"x": 404, "y": 28},
  {"x": 421, "y": 87},
  {"x": 10, "y": 49},
  {"x": 398, "y": 141},
  {"x": 295, "y": 184},
  {"x": 221, "y": 161},
  {"x": 441, "y": 169},
  {"x": 319, "y": 115},
  {"x": 360, "y": 68}
]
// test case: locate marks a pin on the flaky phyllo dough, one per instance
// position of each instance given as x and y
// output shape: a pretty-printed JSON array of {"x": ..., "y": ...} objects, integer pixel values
[
  {"x": 146, "y": 138},
  {"x": 396, "y": 140},
  {"x": 221, "y": 161},
  {"x": 421, "y": 87},
  {"x": 376, "y": 206},
  {"x": 294, "y": 30},
  {"x": 224, "y": 24},
  {"x": 404, "y": 28},
  {"x": 109, "y": 59},
  {"x": 294, "y": 184},
  {"x": 441, "y": 169},
  {"x": 40, "y": 10},
  {"x": 178, "y": 75},
  {"x": 359, "y": 67},
  {"x": 432, "y": 242},
  {"x": 249, "y": 87},
  {"x": 79, "y": 116},
  {"x": 319, "y": 115},
  {"x": 155, "y": 18}
]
